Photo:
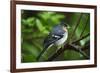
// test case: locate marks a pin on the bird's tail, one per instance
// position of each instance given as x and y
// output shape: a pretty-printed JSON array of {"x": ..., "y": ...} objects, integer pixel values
[{"x": 40, "y": 54}]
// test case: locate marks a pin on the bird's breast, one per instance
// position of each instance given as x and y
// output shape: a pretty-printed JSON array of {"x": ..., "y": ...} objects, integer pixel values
[{"x": 62, "y": 40}]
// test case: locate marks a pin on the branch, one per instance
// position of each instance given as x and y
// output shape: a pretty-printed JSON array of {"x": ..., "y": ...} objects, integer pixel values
[
  {"x": 81, "y": 38},
  {"x": 80, "y": 50},
  {"x": 66, "y": 47}
]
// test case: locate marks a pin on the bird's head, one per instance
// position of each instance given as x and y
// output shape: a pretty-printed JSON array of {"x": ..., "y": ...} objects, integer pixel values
[{"x": 65, "y": 26}]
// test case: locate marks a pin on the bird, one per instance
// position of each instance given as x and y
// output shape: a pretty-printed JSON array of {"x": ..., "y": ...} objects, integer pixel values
[{"x": 57, "y": 36}]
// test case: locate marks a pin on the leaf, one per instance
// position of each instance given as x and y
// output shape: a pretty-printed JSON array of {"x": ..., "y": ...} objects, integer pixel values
[
  {"x": 29, "y": 51},
  {"x": 28, "y": 58},
  {"x": 72, "y": 55},
  {"x": 30, "y": 21},
  {"x": 81, "y": 26},
  {"x": 40, "y": 27}
]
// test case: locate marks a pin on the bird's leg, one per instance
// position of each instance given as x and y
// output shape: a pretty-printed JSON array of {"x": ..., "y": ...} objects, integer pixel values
[
  {"x": 58, "y": 47},
  {"x": 60, "y": 57},
  {"x": 62, "y": 46}
]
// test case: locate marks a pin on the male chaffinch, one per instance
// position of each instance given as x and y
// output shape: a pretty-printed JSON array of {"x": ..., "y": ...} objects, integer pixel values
[{"x": 57, "y": 36}]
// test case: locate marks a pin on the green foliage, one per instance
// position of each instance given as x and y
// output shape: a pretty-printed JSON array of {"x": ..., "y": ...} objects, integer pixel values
[{"x": 35, "y": 26}]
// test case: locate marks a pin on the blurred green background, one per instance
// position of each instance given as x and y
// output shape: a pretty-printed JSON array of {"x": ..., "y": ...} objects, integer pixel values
[{"x": 35, "y": 26}]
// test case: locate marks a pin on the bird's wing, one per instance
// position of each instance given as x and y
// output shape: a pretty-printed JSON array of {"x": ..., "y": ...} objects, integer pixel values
[{"x": 50, "y": 39}]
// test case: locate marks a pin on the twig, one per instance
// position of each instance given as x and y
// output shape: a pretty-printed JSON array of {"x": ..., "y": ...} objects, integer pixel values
[
  {"x": 55, "y": 55},
  {"x": 61, "y": 50},
  {"x": 84, "y": 27},
  {"x": 81, "y": 38},
  {"x": 78, "y": 21},
  {"x": 80, "y": 50}
]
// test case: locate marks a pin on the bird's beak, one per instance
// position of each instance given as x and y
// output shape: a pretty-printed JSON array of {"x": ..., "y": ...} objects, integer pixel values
[{"x": 68, "y": 27}]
